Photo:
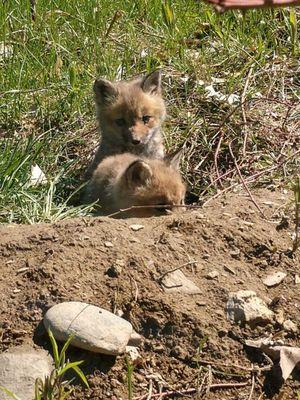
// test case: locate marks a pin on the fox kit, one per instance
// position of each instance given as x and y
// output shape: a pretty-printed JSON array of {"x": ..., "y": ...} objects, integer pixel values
[
  {"x": 126, "y": 180},
  {"x": 130, "y": 115}
]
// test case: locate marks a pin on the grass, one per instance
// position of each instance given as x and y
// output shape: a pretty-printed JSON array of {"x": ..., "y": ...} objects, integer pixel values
[
  {"x": 50, "y": 58},
  {"x": 55, "y": 386}
]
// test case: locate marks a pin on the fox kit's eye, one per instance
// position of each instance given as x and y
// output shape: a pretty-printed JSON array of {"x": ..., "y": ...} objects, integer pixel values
[
  {"x": 120, "y": 121},
  {"x": 146, "y": 119}
]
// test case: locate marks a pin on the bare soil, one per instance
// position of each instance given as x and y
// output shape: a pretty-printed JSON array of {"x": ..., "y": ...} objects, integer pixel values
[{"x": 42, "y": 265}]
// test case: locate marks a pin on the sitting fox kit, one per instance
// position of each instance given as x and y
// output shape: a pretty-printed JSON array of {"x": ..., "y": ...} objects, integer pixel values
[
  {"x": 130, "y": 114},
  {"x": 126, "y": 180}
]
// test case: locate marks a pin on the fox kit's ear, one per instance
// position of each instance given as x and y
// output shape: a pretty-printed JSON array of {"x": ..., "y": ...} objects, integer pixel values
[
  {"x": 173, "y": 159},
  {"x": 105, "y": 91},
  {"x": 138, "y": 173},
  {"x": 152, "y": 82}
]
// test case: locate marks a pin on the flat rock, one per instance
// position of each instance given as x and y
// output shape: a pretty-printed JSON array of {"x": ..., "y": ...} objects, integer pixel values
[
  {"x": 135, "y": 339},
  {"x": 214, "y": 274},
  {"x": 176, "y": 281},
  {"x": 20, "y": 367},
  {"x": 245, "y": 307},
  {"x": 290, "y": 326},
  {"x": 274, "y": 279},
  {"x": 95, "y": 329},
  {"x": 136, "y": 227}
]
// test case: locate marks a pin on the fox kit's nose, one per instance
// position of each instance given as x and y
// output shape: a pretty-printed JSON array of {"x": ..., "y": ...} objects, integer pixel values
[{"x": 136, "y": 141}]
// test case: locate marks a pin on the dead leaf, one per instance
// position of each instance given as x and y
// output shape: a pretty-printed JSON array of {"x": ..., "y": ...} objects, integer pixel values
[{"x": 288, "y": 357}]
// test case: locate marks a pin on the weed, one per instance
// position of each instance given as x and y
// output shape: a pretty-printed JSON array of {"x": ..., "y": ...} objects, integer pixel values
[
  {"x": 296, "y": 242},
  {"x": 130, "y": 369},
  {"x": 55, "y": 387}
]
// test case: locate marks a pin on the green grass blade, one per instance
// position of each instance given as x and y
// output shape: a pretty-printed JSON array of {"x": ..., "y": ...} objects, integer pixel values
[
  {"x": 9, "y": 393},
  {"x": 81, "y": 375},
  {"x": 54, "y": 348},
  {"x": 68, "y": 366},
  {"x": 62, "y": 355}
]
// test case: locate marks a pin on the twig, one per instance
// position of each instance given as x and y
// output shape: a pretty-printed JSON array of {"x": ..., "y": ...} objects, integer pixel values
[
  {"x": 209, "y": 379},
  {"x": 166, "y": 206},
  {"x": 243, "y": 180},
  {"x": 32, "y": 9},
  {"x": 118, "y": 14},
  {"x": 216, "y": 157},
  {"x": 241, "y": 367},
  {"x": 160, "y": 278},
  {"x": 245, "y": 128},
  {"x": 172, "y": 393},
  {"x": 252, "y": 385},
  {"x": 150, "y": 390}
]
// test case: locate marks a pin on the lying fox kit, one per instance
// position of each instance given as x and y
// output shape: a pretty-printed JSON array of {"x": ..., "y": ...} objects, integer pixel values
[
  {"x": 130, "y": 114},
  {"x": 126, "y": 180}
]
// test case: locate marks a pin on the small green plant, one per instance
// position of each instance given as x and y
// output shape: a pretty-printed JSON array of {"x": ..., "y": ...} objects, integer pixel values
[
  {"x": 130, "y": 369},
  {"x": 55, "y": 387},
  {"x": 297, "y": 214}
]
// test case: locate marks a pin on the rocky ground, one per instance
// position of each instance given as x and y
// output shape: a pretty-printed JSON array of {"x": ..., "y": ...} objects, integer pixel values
[{"x": 188, "y": 341}]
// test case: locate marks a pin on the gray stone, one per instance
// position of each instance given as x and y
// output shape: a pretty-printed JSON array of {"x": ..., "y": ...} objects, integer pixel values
[
  {"x": 177, "y": 282},
  {"x": 136, "y": 227},
  {"x": 245, "y": 307},
  {"x": 212, "y": 274},
  {"x": 95, "y": 329},
  {"x": 135, "y": 339},
  {"x": 20, "y": 367},
  {"x": 290, "y": 326},
  {"x": 274, "y": 279},
  {"x": 133, "y": 353}
]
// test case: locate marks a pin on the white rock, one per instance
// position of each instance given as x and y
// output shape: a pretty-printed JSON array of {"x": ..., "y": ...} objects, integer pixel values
[
  {"x": 95, "y": 329},
  {"x": 136, "y": 227},
  {"x": 177, "y": 282},
  {"x": 212, "y": 274},
  {"x": 245, "y": 307},
  {"x": 297, "y": 279},
  {"x": 135, "y": 339},
  {"x": 274, "y": 279},
  {"x": 133, "y": 352},
  {"x": 290, "y": 326},
  {"x": 20, "y": 367},
  {"x": 37, "y": 176}
]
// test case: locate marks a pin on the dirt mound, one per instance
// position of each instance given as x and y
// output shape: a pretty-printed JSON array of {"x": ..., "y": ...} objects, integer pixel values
[{"x": 224, "y": 247}]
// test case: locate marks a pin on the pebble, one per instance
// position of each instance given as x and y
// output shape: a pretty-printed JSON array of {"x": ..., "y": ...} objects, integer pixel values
[
  {"x": 95, "y": 329},
  {"x": 135, "y": 339},
  {"x": 136, "y": 227},
  {"x": 133, "y": 352},
  {"x": 245, "y": 307},
  {"x": 212, "y": 274},
  {"x": 290, "y": 326},
  {"x": 20, "y": 367},
  {"x": 176, "y": 281},
  {"x": 108, "y": 244},
  {"x": 274, "y": 279}
]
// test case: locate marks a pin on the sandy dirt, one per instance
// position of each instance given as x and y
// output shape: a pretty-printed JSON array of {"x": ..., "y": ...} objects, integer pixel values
[{"x": 42, "y": 265}]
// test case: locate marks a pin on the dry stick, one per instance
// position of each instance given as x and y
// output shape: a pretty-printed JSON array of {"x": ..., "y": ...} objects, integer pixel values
[
  {"x": 166, "y": 206},
  {"x": 243, "y": 181},
  {"x": 241, "y": 367},
  {"x": 216, "y": 157},
  {"x": 245, "y": 128},
  {"x": 193, "y": 390},
  {"x": 252, "y": 385},
  {"x": 150, "y": 390},
  {"x": 117, "y": 15},
  {"x": 175, "y": 269}
]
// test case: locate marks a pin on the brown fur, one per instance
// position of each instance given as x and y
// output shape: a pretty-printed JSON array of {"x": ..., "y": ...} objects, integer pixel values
[
  {"x": 120, "y": 108},
  {"x": 126, "y": 180}
]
